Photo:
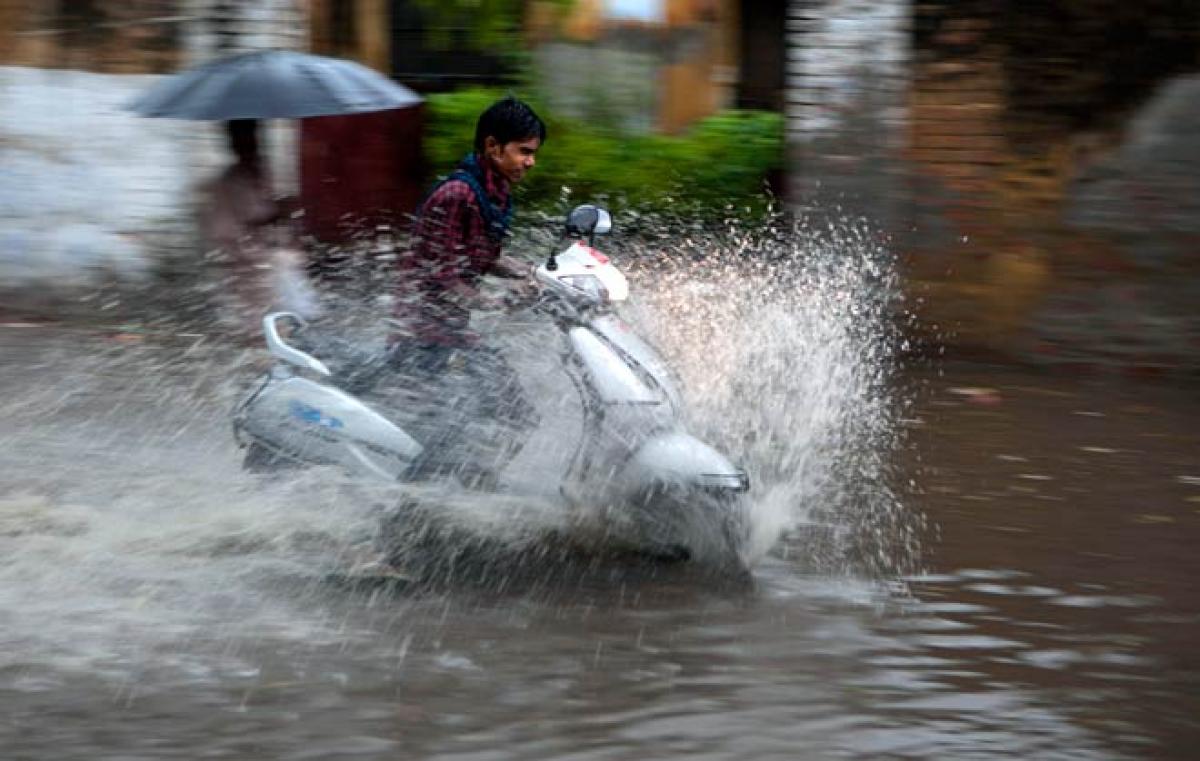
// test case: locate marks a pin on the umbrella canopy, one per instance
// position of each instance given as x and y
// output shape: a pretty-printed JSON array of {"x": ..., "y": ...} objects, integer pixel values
[{"x": 272, "y": 84}]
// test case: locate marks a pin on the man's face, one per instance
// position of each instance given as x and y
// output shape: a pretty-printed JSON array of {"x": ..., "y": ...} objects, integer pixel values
[{"x": 513, "y": 159}]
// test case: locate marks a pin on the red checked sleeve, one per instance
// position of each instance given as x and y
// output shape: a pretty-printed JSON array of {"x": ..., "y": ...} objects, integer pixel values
[{"x": 442, "y": 252}]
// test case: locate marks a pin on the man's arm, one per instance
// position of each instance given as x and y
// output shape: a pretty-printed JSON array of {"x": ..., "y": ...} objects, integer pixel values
[{"x": 511, "y": 267}]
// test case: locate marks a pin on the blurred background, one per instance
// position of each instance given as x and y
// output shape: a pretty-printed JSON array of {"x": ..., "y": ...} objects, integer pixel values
[
  {"x": 928, "y": 267},
  {"x": 1033, "y": 166}
]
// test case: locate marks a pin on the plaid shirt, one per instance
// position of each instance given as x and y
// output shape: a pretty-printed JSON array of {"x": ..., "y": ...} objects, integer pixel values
[{"x": 450, "y": 245}]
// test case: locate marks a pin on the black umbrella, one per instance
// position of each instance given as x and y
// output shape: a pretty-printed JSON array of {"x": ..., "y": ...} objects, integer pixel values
[{"x": 272, "y": 84}]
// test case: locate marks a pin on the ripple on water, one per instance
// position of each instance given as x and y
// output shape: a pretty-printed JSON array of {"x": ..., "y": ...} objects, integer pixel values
[
  {"x": 989, "y": 573},
  {"x": 969, "y": 642},
  {"x": 1105, "y": 601},
  {"x": 1010, "y": 590}
]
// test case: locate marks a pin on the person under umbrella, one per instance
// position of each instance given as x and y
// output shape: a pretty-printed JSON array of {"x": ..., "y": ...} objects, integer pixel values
[
  {"x": 245, "y": 227},
  {"x": 241, "y": 218}
]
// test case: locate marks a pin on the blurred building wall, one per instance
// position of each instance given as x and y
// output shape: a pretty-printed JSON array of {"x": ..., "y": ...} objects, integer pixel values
[
  {"x": 356, "y": 29},
  {"x": 657, "y": 71},
  {"x": 91, "y": 195},
  {"x": 848, "y": 74},
  {"x": 139, "y": 36},
  {"x": 1035, "y": 165},
  {"x": 1053, "y": 152}
]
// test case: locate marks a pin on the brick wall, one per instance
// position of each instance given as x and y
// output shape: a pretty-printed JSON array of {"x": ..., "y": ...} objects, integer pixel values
[
  {"x": 1052, "y": 156},
  {"x": 1035, "y": 166},
  {"x": 136, "y": 36}
]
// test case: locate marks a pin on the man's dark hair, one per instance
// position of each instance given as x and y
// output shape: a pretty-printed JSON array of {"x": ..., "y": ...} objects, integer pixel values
[{"x": 508, "y": 120}]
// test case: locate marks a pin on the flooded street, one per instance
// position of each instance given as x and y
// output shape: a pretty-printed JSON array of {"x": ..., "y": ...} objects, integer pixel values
[
  {"x": 157, "y": 602},
  {"x": 1069, "y": 514}
]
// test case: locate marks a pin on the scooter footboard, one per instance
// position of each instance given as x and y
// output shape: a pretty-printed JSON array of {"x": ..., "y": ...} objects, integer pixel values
[{"x": 315, "y": 423}]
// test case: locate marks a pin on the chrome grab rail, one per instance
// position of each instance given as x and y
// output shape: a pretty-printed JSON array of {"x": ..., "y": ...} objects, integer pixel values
[{"x": 281, "y": 350}]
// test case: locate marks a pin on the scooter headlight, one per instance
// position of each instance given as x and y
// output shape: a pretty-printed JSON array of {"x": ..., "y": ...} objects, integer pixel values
[
  {"x": 725, "y": 481},
  {"x": 589, "y": 284}
]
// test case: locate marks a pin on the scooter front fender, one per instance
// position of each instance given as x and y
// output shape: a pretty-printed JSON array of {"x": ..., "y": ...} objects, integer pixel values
[
  {"x": 679, "y": 460},
  {"x": 687, "y": 500}
]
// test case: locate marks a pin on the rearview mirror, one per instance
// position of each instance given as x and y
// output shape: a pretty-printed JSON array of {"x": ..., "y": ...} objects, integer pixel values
[{"x": 589, "y": 220}]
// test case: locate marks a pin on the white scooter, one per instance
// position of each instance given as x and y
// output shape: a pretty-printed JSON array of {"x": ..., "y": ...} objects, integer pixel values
[{"x": 646, "y": 480}]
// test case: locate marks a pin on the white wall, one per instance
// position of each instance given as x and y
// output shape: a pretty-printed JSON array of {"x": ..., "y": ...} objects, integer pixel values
[
  {"x": 89, "y": 192},
  {"x": 85, "y": 185},
  {"x": 847, "y": 79}
]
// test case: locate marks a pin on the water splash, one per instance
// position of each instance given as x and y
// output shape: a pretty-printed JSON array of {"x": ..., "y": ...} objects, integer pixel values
[{"x": 786, "y": 339}]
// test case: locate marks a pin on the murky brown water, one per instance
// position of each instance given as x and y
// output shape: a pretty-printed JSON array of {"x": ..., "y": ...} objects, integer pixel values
[{"x": 157, "y": 603}]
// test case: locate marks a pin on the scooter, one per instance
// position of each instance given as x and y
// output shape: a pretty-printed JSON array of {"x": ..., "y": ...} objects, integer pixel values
[{"x": 643, "y": 479}]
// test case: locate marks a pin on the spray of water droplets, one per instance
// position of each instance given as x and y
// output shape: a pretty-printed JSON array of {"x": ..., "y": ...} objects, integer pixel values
[{"x": 785, "y": 337}]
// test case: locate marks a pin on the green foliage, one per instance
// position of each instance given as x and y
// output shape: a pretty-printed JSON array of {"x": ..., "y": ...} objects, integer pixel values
[{"x": 716, "y": 169}]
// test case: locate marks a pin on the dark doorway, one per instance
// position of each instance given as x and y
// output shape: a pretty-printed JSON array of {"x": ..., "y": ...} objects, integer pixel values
[
  {"x": 761, "y": 83},
  {"x": 436, "y": 59}
]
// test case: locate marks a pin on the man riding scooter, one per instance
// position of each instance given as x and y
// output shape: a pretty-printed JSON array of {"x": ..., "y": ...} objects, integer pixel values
[
  {"x": 631, "y": 470},
  {"x": 457, "y": 240}
]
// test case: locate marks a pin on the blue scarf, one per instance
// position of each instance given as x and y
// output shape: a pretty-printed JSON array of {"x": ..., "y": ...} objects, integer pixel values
[{"x": 496, "y": 221}]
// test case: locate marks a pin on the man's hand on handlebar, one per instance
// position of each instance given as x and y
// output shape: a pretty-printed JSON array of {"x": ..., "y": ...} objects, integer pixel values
[{"x": 521, "y": 294}]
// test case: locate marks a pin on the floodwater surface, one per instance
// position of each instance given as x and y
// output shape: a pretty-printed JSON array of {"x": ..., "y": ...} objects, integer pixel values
[{"x": 156, "y": 602}]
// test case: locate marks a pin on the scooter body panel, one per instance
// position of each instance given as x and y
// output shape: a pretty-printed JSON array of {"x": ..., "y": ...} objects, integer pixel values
[
  {"x": 637, "y": 352},
  {"x": 609, "y": 375},
  {"x": 312, "y": 422}
]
